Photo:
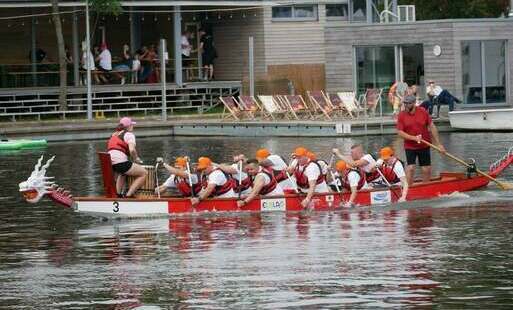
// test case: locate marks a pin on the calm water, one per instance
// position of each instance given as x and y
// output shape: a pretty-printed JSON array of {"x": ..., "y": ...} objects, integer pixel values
[{"x": 455, "y": 252}]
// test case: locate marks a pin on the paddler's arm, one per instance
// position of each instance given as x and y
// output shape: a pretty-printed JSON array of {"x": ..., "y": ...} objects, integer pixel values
[
  {"x": 311, "y": 189},
  {"x": 204, "y": 194},
  {"x": 133, "y": 153},
  {"x": 290, "y": 168},
  {"x": 228, "y": 169},
  {"x": 173, "y": 170},
  {"x": 258, "y": 183},
  {"x": 349, "y": 160},
  {"x": 405, "y": 187},
  {"x": 352, "y": 197},
  {"x": 436, "y": 136}
]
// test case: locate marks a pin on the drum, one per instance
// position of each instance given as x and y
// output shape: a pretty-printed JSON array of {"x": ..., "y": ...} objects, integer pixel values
[{"x": 148, "y": 188}]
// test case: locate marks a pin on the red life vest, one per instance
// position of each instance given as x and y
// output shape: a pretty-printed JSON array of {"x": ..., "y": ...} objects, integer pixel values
[
  {"x": 302, "y": 180},
  {"x": 184, "y": 187},
  {"x": 117, "y": 142},
  {"x": 389, "y": 173},
  {"x": 244, "y": 185},
  {"x": 344, "y": 181},
  {"x": 266, "y": 189},
  {"x": 280, "y": 175},
  {"x": 372, "y": 176},
  {"x": 220, "y": 189}
]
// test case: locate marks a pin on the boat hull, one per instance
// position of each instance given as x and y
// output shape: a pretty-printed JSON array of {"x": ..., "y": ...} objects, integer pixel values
[
  {"x": 447, "y": 184},
  {"x": 486, "y": 119}
]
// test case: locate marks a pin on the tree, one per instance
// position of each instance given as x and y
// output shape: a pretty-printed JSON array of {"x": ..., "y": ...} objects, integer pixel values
[
  {"x": 100, "y": 6},
  {"x": 444, "y": 9}
]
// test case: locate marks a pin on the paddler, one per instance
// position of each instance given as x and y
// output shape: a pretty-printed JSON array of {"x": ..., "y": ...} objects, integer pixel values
[
  {"x": 392, "y": 169},
  {"x": 309, "y": 175},
  {"x": 263, "y": 182},
  {"x": 215, "y": 182},
  {"x": 279, "y": 167},
  {"x": 414, "y": 125},
  {"x": 350, "y": 178},
  {"x": 362, "y": 160},
  {"x": 237, "y": 172},
  {"x": 180, "y": 179},
  {"x": 121, "y": 147}
]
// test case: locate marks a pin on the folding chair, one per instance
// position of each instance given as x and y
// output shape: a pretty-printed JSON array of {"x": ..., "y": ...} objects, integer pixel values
[
  {"x": 251, "y": 105},
  {"x": 231, "y": 104},
  {"x": 318, "y": 99},
  {"x": 372, "y": 99},
  {"x": 271, "y": 107},
  {"x": 336, "y": 101},
  {"x": 297, "y": 106},
  {"x": 350, "y": 102}
]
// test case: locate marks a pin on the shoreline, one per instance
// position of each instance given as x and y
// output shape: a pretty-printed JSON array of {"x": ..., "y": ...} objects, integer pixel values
[{"x": 206, "y": 125}]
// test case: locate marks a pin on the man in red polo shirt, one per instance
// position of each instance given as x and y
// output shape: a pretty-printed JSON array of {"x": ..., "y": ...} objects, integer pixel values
[{"x": 413, "y": 125}]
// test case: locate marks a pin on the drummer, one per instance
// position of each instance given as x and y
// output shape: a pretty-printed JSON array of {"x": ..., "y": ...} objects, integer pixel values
[
  {"x": 121, "y": 146},
  {"x": 263, "y": 182},
  {"x": 215, "y": 182},
  {"x": 362, "y": 160},
  {"x": 180, "y": 179}
]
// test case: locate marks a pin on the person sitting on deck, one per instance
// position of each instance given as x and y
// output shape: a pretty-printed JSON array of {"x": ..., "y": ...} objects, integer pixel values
[
  {"x": 120, "y": 146},
  {"x": 361, "y": 160},
  {"x": 180, "y": 179},
  {"x": 262, "y": 180},
  {"x": 215, "y": 182},
  {"x": 279, "y": 167},
  {"x": 350, "y": 178},
  {"x": 308, "y": 174},
  {"x": 392, "y": 169},
  {"x": 243, "y": 180}
]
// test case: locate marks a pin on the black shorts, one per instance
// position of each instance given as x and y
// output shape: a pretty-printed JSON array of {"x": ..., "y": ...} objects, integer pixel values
[
  {"x": 103, "y": 70},
  {"x": 424, "y": 156},
  {"x": 123, "y": 167}
]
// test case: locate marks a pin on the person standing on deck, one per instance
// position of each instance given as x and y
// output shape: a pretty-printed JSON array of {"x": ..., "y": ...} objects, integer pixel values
[
  {"x": 362, "y": 160},
  {"x": 392, "y": 169},
  {"x": 414, "y": 125},
  {"x": 308, "y": 174},
  {"x": 121, "y": 146},
  {"x": 215, "y": 182}
]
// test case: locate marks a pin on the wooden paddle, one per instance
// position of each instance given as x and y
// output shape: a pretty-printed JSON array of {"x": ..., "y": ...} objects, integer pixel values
[{"x": 502, "y": 185}]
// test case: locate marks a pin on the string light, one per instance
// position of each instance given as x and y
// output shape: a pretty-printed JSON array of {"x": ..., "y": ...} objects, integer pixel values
[
  {"x": 194, "y": 17},
  {"x": 231, "y": 15},
  {"x": 168, "y": 17},
  {"x": 142, "y": 18},
  {"x": 206, "y": 16},
  {"x": 155, "y": 18},
  {"x": 117, "y": 18},
  {"x": 218, "y": 16},
  {"x": 244, "y": 15}
]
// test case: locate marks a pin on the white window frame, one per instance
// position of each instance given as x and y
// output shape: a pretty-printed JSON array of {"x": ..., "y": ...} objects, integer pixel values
[
  {"x": 339, "y": 18},
  {"x": 297, "y": 19}
]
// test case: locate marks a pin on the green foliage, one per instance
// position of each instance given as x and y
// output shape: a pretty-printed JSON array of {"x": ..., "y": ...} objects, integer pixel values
[
  {"x": 444, "y": 9},
  {"x": 112, "y": 7}
]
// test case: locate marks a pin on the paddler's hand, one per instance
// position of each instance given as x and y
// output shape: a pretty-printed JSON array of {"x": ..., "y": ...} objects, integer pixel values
[
  {"x": 241, "y": 203},
  {"x": 402, "y": 199},
  {"x": 348, "y": 205},
  {"x": 336, "y": 151},
  {"x": 195, "y": 201},
  {"x": 305, "y": 202},
  {"x": 160, "y": 160},
  {"x": 379, "y": 162},
  {"x": 442, "y": 148}
]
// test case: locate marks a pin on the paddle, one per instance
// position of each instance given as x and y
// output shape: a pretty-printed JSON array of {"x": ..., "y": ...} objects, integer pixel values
[
  {"x": 387, "y": 183},
  {"x": 502, "y": 185},
  {"x": 189, "y": 177},
  {"x": 239, "y": 167},
  {"x": 331, "y": 172},
  {"x": 157, "y": 176}
]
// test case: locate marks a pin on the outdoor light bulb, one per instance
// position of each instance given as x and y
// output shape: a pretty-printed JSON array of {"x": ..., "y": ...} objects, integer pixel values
[
  {"x": 243, "y": 15},
  {"x": 218, "y": 16},
  {"x": 206, "y": 16},
  {"x": 155, "y": 18},
  {"x": 23, "y": 23},
  {"x": 231, "y": 15},
  {"x": 169, "y": 18},
  {"x": 142, "y": 18}
]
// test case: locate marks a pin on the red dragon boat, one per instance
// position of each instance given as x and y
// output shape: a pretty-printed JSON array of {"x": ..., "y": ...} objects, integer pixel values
[{"x": 38, "y": 185}]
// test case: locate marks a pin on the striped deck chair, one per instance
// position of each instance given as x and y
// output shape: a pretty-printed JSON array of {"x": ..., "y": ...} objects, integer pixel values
[
  {"x": 321, "y": 103},
  {"x": 371, "y": 99},
  {"x": 350, "y": 102},
  {"x": 251, "y": 105},
  {"x": 271, "y": 108},
  {"x": 297, "y": 106},
  {"x": 231, "y": 104},
  {"x": 336, "y": 101}
]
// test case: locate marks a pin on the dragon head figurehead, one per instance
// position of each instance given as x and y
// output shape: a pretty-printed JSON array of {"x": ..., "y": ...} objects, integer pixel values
[{"x": 38, "y": 185}]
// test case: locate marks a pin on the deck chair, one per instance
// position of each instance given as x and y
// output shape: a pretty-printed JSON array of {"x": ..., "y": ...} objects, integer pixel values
[
  {"x": 336, "y": 101},
  {"x": 231, "y": 104},
  {"x": 271, "y": 108},
  {"x": 371, "y": 99},
  {"x": 321, "y": 103},
  {"x": 251, "y": 105},
  {"x": 350, "y": 102},
  {"x": 297, "y": 106}
]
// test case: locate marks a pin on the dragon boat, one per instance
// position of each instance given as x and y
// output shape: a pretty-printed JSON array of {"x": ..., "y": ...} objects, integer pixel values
[{"x": 147, "y": 204}]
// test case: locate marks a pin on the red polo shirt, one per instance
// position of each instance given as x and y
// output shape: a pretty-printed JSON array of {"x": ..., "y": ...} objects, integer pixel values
[{"x": 416, "y": 123}]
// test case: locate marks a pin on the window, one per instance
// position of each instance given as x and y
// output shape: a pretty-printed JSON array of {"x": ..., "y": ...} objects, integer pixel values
[
  {"x": 375, "y": 67},
  {"x": 337, "y": 11},
  {"x": 484, "y": 71},
  {"x": 359, "y": 11},
  {"x": 295, "y": 12}
]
